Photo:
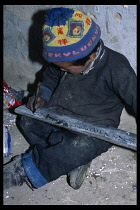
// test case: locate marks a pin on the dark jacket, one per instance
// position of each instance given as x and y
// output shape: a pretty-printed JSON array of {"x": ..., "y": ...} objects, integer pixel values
[{"x": 99, "y": 95}]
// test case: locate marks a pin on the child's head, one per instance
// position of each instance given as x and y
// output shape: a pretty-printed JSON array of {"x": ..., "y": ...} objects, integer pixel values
[
  {"x": 69, "y": 36},
  {"x": 78, "y": 66}
]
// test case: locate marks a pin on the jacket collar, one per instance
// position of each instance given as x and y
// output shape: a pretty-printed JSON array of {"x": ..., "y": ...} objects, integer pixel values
[{"x": 99, "y": 55}]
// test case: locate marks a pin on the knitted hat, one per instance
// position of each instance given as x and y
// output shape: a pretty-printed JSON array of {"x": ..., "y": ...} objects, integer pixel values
[{"x": 68, "y": 35}]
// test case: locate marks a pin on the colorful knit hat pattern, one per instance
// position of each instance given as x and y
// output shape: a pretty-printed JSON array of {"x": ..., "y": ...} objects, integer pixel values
[{"x": 68, "y": 35}]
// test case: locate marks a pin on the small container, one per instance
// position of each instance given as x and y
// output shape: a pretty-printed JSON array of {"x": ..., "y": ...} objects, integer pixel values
[{"x": 6, "y": 142}]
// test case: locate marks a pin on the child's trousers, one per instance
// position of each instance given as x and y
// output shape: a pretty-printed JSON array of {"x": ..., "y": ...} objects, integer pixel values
[{"x": 56, "y": 151}]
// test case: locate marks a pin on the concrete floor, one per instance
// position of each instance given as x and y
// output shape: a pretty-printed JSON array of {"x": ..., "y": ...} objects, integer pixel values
[{"x": 111, "y": 179}]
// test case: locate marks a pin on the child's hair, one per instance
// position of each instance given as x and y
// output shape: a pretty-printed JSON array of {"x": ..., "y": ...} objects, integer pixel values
[{"x": 82, "y": 61}]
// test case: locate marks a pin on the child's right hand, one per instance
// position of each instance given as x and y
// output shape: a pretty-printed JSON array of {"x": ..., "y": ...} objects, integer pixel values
[{"x": 39, "y": 102}]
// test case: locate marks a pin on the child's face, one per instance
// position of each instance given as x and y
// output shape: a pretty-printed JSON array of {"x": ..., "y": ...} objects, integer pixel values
[{"x": 69, "y": 67}]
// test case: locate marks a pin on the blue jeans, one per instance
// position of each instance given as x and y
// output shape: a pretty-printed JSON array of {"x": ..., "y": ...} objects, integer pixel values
[{"x": 55, "y": 151}]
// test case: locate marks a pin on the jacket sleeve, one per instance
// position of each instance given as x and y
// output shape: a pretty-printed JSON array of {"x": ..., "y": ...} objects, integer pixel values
[
  {"x": 50, "y": 80},
  {"x": 124, "y": 82}
]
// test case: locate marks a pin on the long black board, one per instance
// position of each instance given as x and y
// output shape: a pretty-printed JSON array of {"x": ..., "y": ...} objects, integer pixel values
[{"x": 115, "y": 136}]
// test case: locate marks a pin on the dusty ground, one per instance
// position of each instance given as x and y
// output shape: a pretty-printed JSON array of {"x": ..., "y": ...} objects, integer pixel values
[{"x": 111, "y": 179}]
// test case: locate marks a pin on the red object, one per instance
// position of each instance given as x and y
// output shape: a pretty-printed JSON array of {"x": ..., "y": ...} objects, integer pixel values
[{"x": 8, "y": 98}]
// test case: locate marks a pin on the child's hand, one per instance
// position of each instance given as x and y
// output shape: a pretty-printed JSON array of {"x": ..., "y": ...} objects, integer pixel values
[
  {"x": 34, "y": 103},
  {"x": 39, "y": 102}
]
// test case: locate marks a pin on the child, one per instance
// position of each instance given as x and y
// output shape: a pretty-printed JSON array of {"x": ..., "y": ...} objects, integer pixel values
[{"x": 82, "y": 77}]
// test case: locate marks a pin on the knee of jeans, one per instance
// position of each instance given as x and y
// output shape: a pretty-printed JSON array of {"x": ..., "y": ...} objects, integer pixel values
[
  {"x": 25, "y": 122},
  {"x": 55, "y": 137},
  {"x": 81, "y": 142}
]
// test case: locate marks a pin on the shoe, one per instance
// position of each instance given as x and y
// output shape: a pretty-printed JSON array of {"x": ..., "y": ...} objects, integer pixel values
[
  {"x": 76, "y": 177},
  {"x": 14, "y": 174}
]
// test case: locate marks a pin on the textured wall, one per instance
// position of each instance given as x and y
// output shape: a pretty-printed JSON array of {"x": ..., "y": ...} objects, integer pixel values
[{"x": 22, "y": 36}]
